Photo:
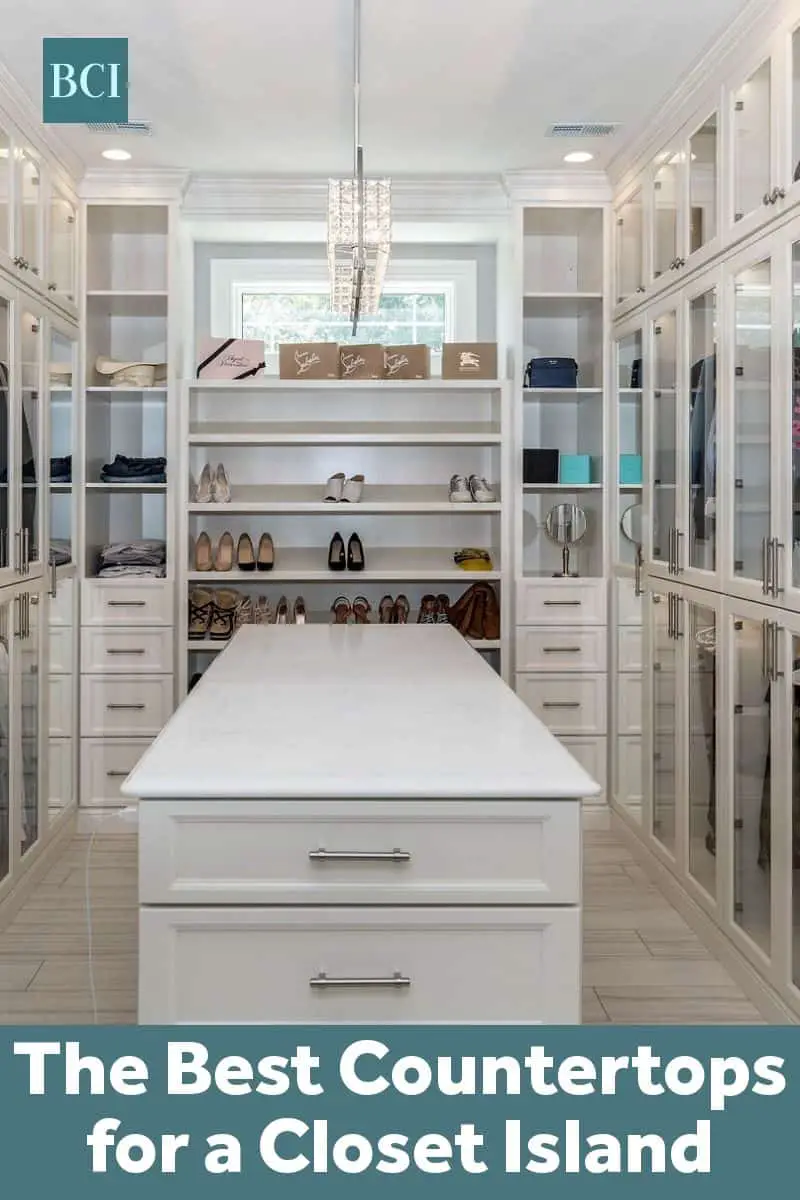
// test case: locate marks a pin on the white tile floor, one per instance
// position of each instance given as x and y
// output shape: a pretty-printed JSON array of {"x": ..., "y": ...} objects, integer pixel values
[{"x": 642, "y": 963}]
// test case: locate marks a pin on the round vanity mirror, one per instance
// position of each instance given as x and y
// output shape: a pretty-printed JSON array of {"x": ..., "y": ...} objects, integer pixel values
[
  {"x": 565, "y": 525},
  {"x": 631, "y": 524}
]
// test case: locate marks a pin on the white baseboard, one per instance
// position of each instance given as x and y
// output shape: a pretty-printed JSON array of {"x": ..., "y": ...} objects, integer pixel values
[
  {"x": 772, "y": 1007},
  {"x": 596, "y": 817}
]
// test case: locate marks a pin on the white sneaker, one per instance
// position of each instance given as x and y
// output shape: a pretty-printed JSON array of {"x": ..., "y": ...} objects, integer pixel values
[
  {"x": 334, "y": 488},
  {"x": 222, "y": 487},
  {"x": 480, "y": 490},
  {"x": 204, "y": 492},
  {"x": 353, "y": 489},
  {"x": 459, "y": 490}
]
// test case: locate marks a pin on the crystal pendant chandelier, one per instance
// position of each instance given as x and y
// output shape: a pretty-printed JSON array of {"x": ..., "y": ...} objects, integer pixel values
[{"x": 359, "y": 224}]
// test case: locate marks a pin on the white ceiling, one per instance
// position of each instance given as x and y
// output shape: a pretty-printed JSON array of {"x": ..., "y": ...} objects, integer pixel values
[{"x": 448, "y": 86}]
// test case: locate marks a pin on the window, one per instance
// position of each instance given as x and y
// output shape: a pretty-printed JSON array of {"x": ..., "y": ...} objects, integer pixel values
[
  {"x": 286, "y": 300},
  {"x": 406, "y": 317}
]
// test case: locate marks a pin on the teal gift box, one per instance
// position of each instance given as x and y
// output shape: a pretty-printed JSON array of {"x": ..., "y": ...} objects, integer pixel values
[
  {"x": 630, "y": 469},
  {"x": 575, "y": 468}
]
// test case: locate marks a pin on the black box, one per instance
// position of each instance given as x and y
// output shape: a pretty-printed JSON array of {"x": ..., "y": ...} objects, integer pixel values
[{"x": 540, "y": 466}]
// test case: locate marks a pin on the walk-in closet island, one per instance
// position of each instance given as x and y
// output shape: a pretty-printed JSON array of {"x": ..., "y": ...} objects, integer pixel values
[{"x": 357, "y": 823}]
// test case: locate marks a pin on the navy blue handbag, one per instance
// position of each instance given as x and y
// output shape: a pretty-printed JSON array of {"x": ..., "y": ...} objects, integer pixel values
[{"x": 551, "y": 373}]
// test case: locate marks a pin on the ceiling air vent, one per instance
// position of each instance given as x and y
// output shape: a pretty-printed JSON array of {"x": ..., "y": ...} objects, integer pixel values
[
  {"x": 582, "y": 129},
  {"x": 140, "y": 127}
]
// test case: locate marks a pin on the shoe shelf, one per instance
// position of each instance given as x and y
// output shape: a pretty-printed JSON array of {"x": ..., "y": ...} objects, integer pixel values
[
  {"x": 532, "y": 488},
  {"x": 389, "y": 564},
  {"x": 342, "y": 433},
  {"x": 126, "y": 487},
  {"x": 269, "y": 383},
  {"x": 206, "y": 646},
  {"x": 292, "y": 498}
]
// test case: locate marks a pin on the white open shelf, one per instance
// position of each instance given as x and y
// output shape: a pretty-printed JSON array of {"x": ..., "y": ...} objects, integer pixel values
[
  {"x": 205, "y": 646},
  {"x": 384, "y": 564},
  {"x": 289, "y": 498},
  {"x": 359, "y": 433},
  {"x": 265, "y": 383}
]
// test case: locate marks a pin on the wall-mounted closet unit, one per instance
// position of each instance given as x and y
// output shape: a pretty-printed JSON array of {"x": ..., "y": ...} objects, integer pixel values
[
  {"x": 127, "y": 548},
  {"x": 564, "y": 473},
  {"x": 719, "y": 332}
]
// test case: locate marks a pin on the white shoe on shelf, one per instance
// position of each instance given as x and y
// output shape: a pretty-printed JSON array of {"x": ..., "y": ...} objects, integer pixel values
[
  {"x": 480, "y": 490},
  {"x": 459, "y": 490},
  {"x": 334, "y": 488},
  {"x": 204, "y": 492},
  {"x": 222, "y": 486},
  {"x": 353, "y": 489}
]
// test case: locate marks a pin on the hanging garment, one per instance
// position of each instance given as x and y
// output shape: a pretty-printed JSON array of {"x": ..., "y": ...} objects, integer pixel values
[
  {"x": 765, "y": 822},
  {"x": 703, "y": 442}
]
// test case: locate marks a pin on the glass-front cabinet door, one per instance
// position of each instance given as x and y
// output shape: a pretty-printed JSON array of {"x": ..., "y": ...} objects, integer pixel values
[
  {"x": 8, "y": 499},
  {"x": 666, "y": 228},
  {"x": 663, "y": 466},
  {"x": 702, "y": 661},
  {"x": 60, "y": 383},
  {"x": 6, "y": 789},
  {"x": 698, "y": 504},
  {"x": 61, "y": 261},
  {"x": 6, "y": 194},
  {"x": 664, "y": 704},
  {"x": 752, "y": 483},
  {"x": 30, "y": 678},
  {"x": 754, "y": 143},
  {"x": 628, "y": 546},
  {"x": 29, "y": 214},
  {"x": 703, "y": 186},
  {"x": 30, "y": 445},
  {"x": 630, "y": 247}
]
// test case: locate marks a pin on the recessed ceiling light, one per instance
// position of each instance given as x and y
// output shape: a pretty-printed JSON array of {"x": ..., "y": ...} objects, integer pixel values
[
  {"x": 578, "y": 156},
  {"x": 116, "y": 155}
]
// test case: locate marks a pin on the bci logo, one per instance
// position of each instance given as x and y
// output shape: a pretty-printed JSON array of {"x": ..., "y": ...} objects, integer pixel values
[{"x": 84, "y": 80}]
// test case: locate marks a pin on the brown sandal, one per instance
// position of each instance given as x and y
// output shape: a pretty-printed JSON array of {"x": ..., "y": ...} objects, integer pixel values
[
  {"x": 361, "y": 610},
  {"x": 341, "y": 610},
  {"x": 401, "y": 610},
  {"x": 201, "y": 612},
  {"x": 386, "y": 611},
  {"x": 223, "y": 621}
]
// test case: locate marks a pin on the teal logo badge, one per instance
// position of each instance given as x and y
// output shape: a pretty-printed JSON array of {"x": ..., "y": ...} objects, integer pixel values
[{"x": 84, "y": 80}]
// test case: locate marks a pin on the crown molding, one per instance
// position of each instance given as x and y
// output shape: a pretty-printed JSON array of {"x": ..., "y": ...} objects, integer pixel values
[
  {"x": 27, "y": 117},
  {"x": 555, "y": 187},
  {"x": 112, "y": 183},
  {"x": 295, "y": 199},
  {"x": 698, "y": 88}
]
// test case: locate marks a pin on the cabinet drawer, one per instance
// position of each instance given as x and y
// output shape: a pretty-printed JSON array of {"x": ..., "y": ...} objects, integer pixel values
[
  {"x": 630, "y": 782},
  {"x": 107, "y": 603},
  {"x": 126, "y": 651},
  {"x": 61, "y": 648},
  {"x": 61, "y": 697},
  {"x": 629, "y": 605},
  {"x": 629, "y": 692},
  {"x": 60, "y": 777},
  {"x": 629, "y": 648},
  {"x": 256, "y": 965},
  {"x": 592, "y": 754},
  {"x": 442, "y": 852},
  {"x": 105, "y": 764},
  {"x": 561, "y": 649},
  {"x": 561, "y": 602},
  {"x": 566, "y": 703},
  {"x": 61, "y": 608},
  {"x": 125, "y": 705}
]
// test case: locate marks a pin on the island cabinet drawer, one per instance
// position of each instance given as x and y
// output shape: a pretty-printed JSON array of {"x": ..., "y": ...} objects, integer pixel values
[
  {"x": 557, "y": 649},
  {"x": 393, "y": 965},
  {"x": 114, "y": 603},
  {"x": 561, "y": 602},
  {"x": 425, "y": 852},
  {"x": 567, "y": 703}
]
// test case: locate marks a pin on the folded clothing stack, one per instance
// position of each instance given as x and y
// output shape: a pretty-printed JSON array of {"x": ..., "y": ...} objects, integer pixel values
[
  {"x": 145, "y": 557},
  {"x": 61, "y": 469},
  {"x": 60, "y": 552},
  {"x": 134, "y": 470}
]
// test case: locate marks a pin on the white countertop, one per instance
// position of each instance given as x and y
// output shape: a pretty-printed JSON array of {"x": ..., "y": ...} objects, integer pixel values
[{"x": 364, "y": 712}]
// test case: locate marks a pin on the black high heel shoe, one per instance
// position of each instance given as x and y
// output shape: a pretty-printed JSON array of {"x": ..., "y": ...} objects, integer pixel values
[
  {"x": 355, "y": 553},
  {"x": 336, "y": 556}
]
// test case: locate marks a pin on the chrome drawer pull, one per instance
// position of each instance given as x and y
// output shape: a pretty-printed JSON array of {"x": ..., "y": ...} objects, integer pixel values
[
  {"x": 117, "y": 774},
  {"x": 561, "y": 649},
  {"x": 127, "y": 603},
  {"x": 562, "y": 603},
  {"x": 125, "y": 707},
  {"x": 561, "y": 704},
  {"x": 125, "y": 651},
  {"x": 353, "y": 981},
  {"x": 395, "y": 855}
]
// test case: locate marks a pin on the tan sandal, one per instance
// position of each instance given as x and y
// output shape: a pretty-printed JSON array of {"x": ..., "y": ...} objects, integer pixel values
[
  {"x": 201, "y": 612},
  {"x": 361, "y": 610},
  {"x": 223, "y": 621}
]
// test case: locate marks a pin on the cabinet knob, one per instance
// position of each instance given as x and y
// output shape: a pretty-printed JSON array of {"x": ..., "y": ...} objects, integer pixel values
[
  {"x": 51, "y": 287},
  {"x": 767, "y": 198}
]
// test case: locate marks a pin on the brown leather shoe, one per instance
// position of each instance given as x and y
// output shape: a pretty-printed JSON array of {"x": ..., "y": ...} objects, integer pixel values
[{"x": 491, "y": 616}]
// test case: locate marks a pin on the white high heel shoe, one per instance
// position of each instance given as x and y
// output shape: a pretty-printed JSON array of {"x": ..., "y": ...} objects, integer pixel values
[
  {"x": 222, "y": 486},
  {"x": 353, "y": 488},
  {"x": 204, "y": 492}
]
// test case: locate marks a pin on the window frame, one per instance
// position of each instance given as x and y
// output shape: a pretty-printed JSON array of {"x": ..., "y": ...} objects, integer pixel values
[{"x": 232, "y": 277}]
